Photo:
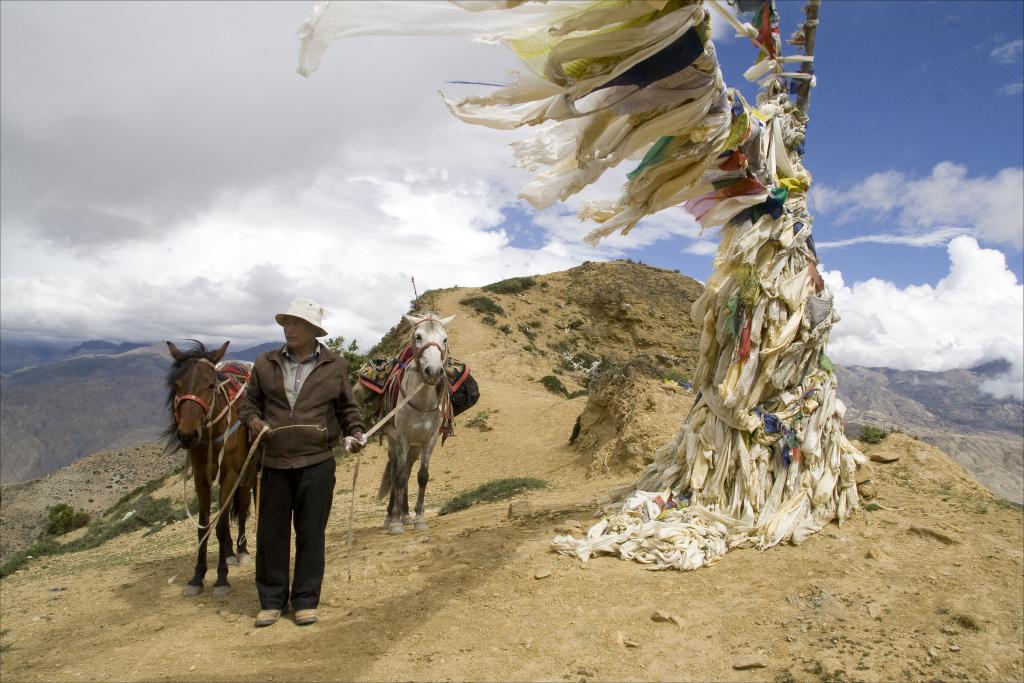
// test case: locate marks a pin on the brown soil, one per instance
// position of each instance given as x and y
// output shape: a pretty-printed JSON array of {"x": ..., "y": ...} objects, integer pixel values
[
  {"x": 624, "y": 422},
  {"x": 926, "y": 585}
]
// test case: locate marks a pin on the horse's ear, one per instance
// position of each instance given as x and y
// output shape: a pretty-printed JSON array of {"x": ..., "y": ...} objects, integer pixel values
[
  {"x": 412, "y": 320},
  {"x": 219, "y": 353},
  {"x": 176, "y": 354},
  {"x": 447, "y": 321}
]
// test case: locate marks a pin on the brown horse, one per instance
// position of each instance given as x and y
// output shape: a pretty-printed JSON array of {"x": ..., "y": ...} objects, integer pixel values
[{"x": 205, "y": 422}]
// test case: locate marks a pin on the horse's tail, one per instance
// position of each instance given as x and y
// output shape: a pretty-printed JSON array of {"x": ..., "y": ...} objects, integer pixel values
[{"x": 385, "y": 483}]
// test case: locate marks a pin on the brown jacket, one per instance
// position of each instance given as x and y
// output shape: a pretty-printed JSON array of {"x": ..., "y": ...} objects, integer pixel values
[{"x": 325, "y": 400}]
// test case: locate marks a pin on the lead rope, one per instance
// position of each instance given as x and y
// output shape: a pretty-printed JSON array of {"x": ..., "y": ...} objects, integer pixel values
[
  {"x": 252, "y": 449},
  {"x": 359, "y": 457}
]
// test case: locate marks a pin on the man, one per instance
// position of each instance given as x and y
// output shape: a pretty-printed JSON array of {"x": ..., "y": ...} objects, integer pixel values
[{"x": 301, "y": 392}]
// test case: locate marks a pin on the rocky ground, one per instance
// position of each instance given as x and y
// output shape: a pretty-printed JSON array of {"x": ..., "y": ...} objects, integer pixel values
[
  {"x": 93, "y": 484},
  {"x": 925, "y": 583}
]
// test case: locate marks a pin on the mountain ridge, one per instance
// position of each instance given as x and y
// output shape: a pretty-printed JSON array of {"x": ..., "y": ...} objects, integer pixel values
[{"x": 643, "y": 308}]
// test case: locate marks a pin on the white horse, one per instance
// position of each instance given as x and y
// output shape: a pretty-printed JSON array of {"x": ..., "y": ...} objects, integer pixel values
[{"x": 413, "y": 432}]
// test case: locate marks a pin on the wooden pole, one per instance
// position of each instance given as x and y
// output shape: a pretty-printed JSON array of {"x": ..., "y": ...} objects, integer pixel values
[{"x": 810, "y": 28}]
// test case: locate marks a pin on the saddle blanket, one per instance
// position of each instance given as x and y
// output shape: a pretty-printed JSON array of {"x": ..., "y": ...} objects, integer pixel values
[
  {"x": 381, "y": 378},
  {"x": 234, "y": 374}
]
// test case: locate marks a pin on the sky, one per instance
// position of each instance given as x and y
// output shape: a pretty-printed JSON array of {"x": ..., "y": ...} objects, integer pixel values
[{"x": 165, "y": 174}]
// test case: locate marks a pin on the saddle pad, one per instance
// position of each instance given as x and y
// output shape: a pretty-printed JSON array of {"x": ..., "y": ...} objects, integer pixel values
[
  {"x": 374, "y": 373},
  {"x": 235, "y": 374},
  {"x": 457, "y": 373}
]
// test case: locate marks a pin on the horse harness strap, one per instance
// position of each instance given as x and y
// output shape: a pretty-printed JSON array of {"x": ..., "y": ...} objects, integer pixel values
[
  {"x": 230, "y": 430},
  {"x": 178, "y": 400},
  {"x": 212, "y": 523}
]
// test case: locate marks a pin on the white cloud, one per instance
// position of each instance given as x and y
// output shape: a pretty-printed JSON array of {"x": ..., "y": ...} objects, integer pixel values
[
  {"x": 973, "y": 315},
  {"x": 350, "y": 242},
  {"x": 702, "y": 248},
  {"x": 151, "y": 192},
  {"x": 1008, "y": 53},
  {"x": 936, "y": 238},
  {"x": 721, "y": 30},
  {"x": 1011, "y": 89},
  {"x": 991, "y": 206}
]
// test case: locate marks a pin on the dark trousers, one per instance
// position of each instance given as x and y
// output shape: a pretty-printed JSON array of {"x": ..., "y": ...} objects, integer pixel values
[{"x": 301, "y": 496}]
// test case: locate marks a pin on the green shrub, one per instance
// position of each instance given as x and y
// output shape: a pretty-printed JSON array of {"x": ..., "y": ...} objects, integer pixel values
[
  {"x": 484, "y": 305},
  {"x": 63, "y": 519},
  {"x": 871, "y": 434},
  {"x": 513, "y": 285},
  {"x": 554, "y": 385},
  {"x": 527, "y": 332},
  {"x": 480, "y": 420},
  {"x": 506, "y": 329},
  {"x": 137, "y": 510},
  {"x": 350, "y": 353},
  {"x": 677, "y": 377},
  {"x": 44, "y": 546},
  {"x": 489, "y": 320},
  {"x": 498, "y": 489}
]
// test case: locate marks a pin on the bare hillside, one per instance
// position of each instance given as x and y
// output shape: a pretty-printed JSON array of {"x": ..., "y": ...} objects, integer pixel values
[
  {"x": 949, "y": 410},
  {"x": 93, "y": 484},
  {"x": 54, "y": 414},
  {"x": 924, "y": 583}
]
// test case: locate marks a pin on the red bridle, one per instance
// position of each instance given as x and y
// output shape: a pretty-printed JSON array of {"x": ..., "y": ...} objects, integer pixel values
[
  {"x": 178, "y": 400},
  {"x": 418, "y": 353}
]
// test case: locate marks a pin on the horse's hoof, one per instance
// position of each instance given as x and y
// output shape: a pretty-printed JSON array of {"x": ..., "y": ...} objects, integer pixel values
[
  {"x": 421, "y": 525},
  {"x": 191, "y": 591},
  {"x": 396, "y": 528},
  {"x": 244, "y": 559},
  {"x": 232, "y": 560},
  {"x": 407, "y": 520},
  {"x": 221, "y": 592}
]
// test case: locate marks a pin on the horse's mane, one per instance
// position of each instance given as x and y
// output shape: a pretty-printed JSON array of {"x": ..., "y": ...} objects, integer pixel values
[{"x": 193, "y": 352}]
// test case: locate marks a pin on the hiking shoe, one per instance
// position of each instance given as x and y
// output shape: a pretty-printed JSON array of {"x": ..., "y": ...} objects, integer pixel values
[
  {"x": 304, "y": 617},
  {"x": 267, "y": 617}
]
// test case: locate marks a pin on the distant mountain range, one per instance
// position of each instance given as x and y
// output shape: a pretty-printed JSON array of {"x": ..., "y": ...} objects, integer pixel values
[
  {"x": 16, "y": 355},
  {"x": 57, "y": 405},
  {"x": 61, "y": 404},
  {"x": 949, "y": 410}
]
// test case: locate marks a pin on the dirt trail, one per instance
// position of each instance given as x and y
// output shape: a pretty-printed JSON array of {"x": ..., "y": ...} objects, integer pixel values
[{"x": 870, "y": 601}]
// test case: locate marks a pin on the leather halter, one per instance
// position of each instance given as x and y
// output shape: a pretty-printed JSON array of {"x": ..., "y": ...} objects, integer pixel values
[
  {"x": 178, "y": 400},
  {"x": 418, "y": 352}
]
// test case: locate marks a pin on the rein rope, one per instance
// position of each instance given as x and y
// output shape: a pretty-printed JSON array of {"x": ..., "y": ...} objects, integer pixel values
[
  {"x": 359, "y": 458},
  {"x": 209, "y": 526},
  {"x": 213, "y": 465}
]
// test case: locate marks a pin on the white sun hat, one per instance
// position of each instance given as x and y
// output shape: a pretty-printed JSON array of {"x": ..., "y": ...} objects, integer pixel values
[{"x": 304, "y": 309}]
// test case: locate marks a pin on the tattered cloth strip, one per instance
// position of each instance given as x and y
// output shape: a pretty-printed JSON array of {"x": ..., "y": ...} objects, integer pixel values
[{"x": 761, "y": 459}]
